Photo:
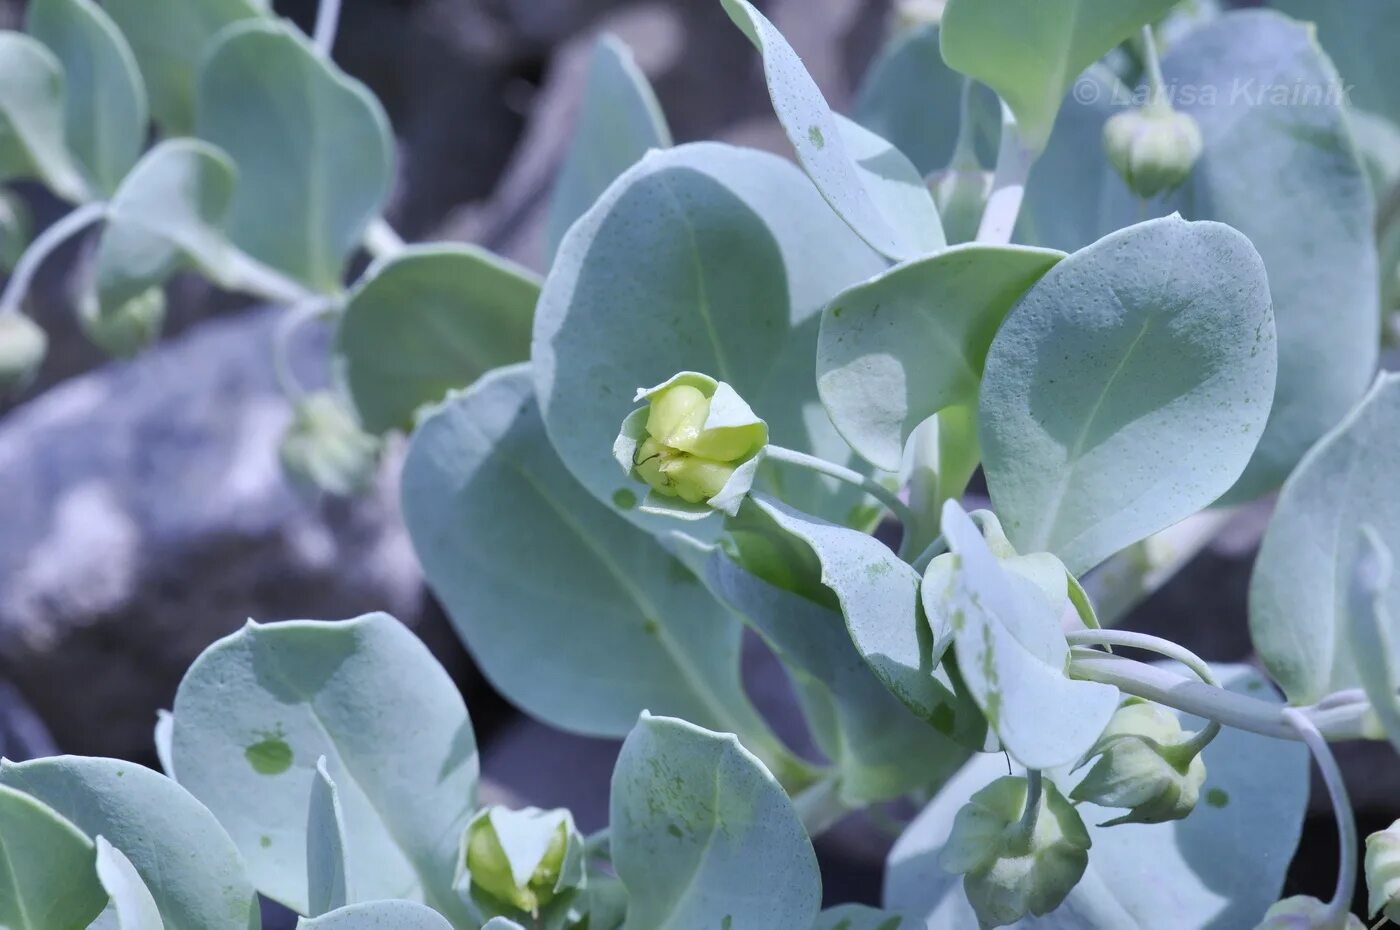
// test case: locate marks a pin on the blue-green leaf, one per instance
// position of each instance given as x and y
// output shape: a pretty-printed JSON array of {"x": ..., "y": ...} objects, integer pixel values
[
  {"x": 703, "y": 836},
  {"x": 182, "y": 853},
  {"x": 367, "y": 695},
  {"x": 654, "y": 638},
  {"x": 106, "y": 112},
  {"x": 1357, "y": 37},
  {"x": 378, "y": 915},
  {"x": 1372, "y": 632},
  {"x": 868, "y": 182},
  {"x": 860, "y": 917},
  {"x": 313, "y": 149},
  {"x": 131, "y": 901},
  {"x": 701, "y": 258},
  {"x": 1031, "y": 51},
  {"x": 896, "y": 349},
  {"x": 618, "y": 121},
  {"x": 1299, "y": 593},
  {"x": 1220, "y": 867},
  {"x": 32, "y": 107},
  {"x": 325, "y": 846},
  {"x": 427, "y": 320},
  {"x": 1128, "y": 389},
  {"x": 48, "y": 882}
]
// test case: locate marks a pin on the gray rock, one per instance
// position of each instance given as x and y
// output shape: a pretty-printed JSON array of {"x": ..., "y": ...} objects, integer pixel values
[{"x": 145, "y": 514}]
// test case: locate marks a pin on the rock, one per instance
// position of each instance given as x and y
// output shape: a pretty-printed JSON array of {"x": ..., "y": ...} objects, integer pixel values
[{"x": 146, "y": 515}]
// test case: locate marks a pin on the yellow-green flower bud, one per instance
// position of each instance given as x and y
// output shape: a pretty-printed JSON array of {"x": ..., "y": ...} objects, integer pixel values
[
  {"x": 519, "y": 862},
  {"x": 324, "y": 448},
  {"x": 1145, "y": 764},
  {"x": 128, "y": 328},
  {"x": 696, "y": 441},
  {"x": 1304, "y": 913},
  {"x": 1383, "y": 871},
  {"x": 961, "y": 196},
  {"x": 23, "y": 345},
  {"x": 1007, "y": 873},
  {"x": 1153, "y": 149}
]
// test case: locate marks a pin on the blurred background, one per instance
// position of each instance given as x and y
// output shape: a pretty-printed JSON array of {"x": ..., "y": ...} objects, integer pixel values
[{"x": 143, "y": 513}]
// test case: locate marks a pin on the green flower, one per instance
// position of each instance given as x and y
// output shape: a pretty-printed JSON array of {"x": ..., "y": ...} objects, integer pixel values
[
  {"x": 325, "y": 449},
  {"x": 1383, "y": 871},
  {"x": 519, "y": 862},
  {"x": 23, "y": 345},
  {"x": 1304, "y": 913},
  {"x": 1007, "y": 873},
  {"x": 1144, "y": 765},
  {"x": 128, "y": 328},
  {"x": 1153, "y": 149},
  {"x": 695, "y": 441}
]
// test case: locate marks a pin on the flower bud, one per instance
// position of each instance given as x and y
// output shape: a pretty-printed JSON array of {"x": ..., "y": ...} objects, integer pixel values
[
  {"x": 16, "y": 229},
  {"x": 128, "y": 328},
  {"x": 1145, "y": 765},
  {"x": 1383, "y": 871},
  {"x": 324, "y": 448},
  {"x": 23, "y": 345},
  {"x": 1007, "y": 873},
  {"x": 1305, "y": 913},
  {"x": 961, "y": 196},
  {"x": 1153, "y": 148},
  {"x": 519, "y": 862},
  {"x": 696, "y": 441}
]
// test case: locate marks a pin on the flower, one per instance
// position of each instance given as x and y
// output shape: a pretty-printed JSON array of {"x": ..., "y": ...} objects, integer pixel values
[
  {"x": 324, "y": 448},
  {"x": 128, "y": 328},
  {"x": 23, "y": 345},
  {"x": 1154, "y": 148},
  {"x": 1007, "y": 873},
  {"x": 1383, "y": 871},
  {"x": 519, "y": 861},
  {"x": 696, "y": 441},
  {"x": 1144, "y": 765}
]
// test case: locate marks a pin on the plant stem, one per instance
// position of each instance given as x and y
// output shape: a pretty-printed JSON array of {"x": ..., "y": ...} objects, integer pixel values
[
  {"x": 327, "y": 22},
  {"x": 296, "y": 316},
  {"x": 1156, "y": 85},
  {"x": 1035, "y": 786},
  {"x": 242, "y": 272},
  {"x": 841, "y": 473},
  {"x": 931, "y": 552},
  {"x": 381, "y": 240},
  {"x": 1341, "y": 806},
  {"x": 42, "y": 247},
  {"x": 1213, "y": 703},
  {"x": 1014, "y": 162},
  {"x": 820, "y": 806},
  {"x": 965, "y": 148}
]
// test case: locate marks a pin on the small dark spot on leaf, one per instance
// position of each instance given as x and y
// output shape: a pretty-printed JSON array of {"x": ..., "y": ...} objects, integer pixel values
[
  {"x": 624, "y": 499},
  {"x": 1215, "y": 797},
  {"x": 815, "y": 136},
  {"x": 265, "y": 842},
  {"x": 675, "y": 831},
  {"x": 270, "y": 756}
]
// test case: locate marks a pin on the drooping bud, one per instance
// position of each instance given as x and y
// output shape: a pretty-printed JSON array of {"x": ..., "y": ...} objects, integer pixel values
[
  {"x": 128, "y": 328},
  {"x": 1383, "y": 872},
  {"x": 960, "y": 194},
  {"x": 23, "y": 345},
  {"x": 1145, "y": 765},
  {"x": 696, "y": 442},
  {"x": 1305, "y": 913},
  {"x": 325, "y": 449},
  {"x": 1009, "y": 872},
  {"x": 519, "y": 862},
  {"x": 1154, "y": 148}
]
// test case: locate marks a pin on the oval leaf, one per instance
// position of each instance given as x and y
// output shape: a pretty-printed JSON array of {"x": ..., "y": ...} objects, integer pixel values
[
  {"x": 867, "y": 181},
  {"x": 32, "y": 106},
  {"x": 1356, "y": 36},
  {"x": 135, "y": 908},
  {"x": 902, "y": 346},
  {"x": 427, "y": 320},
  {"x": 183, "y": 855},
  {"x": 325, "y": 846},
  {"x": 619, "y": 120},
  {"x": 655, "y": 638},
  {"x": 1299, "y": 591},
  {"x": 703, "y": 836},
  {"x": 1031, "y": 51},
  {"x": 701, "y": 258},
  {"x": 1220, "y": 867},
  {"x": 313, "y": 149},
  {"x": 367, "y": 695},
  {"x": 106, "y": 112},
  {"x": 378, "y": 915},
  {"x": 1128, "y": 389},
  {"x": 48, "y": 882}
]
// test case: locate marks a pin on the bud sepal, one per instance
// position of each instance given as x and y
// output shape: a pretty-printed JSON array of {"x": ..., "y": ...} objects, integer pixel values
[
  {"x": 128, "y": 328},
  {"x": 324, "y": 448},
  {"x": 1154, "y": 148},
  {"x": 522, "y": 863},
  {"x": 1146, "y": 764},
  {"x": 1383, "y": 872}
]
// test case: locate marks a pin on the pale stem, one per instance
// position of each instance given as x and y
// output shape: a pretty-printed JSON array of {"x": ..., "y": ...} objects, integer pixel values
[
  {"x": 1031, "y": 815},
  {"x": 381, "y": 240},
  {"x": 819, "y": 806},
  {"x": 841, "y": 473},
  {"x": 1014, "y": 162},
  {"x": 295, "y": 317},
  {"x": 965, "y": 149},
  {"x": 1341, "y": 805},
  {"x": 931, "y": 552},
  {"x": 327, "y": 22},
  {"x": 1163, "y": 647},
  {"x": 240, "y": 271},
  {"x": 1240, "y": 711},
  {"x": 1156, "y": 85},
  {"x": 41, "y": 248}
]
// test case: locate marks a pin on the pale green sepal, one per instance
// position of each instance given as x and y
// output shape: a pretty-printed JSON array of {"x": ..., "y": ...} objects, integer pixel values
[
  {"x": 326, "y": 869},
  {"x": 130, "y": 898},
  {"x": 1383, "y": 872}
]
